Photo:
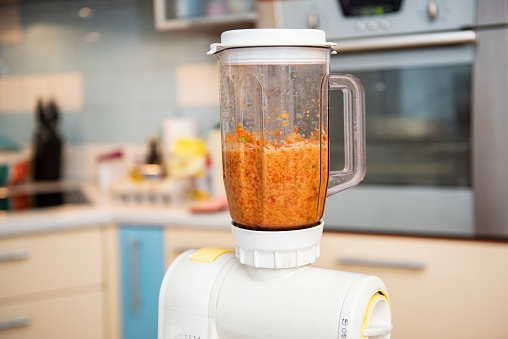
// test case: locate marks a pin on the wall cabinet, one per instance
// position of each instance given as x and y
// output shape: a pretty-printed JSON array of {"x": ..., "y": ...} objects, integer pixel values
[
  {"x": 438, "y": 288},
  {"x": 141, "y": 273},
  {"x": 210, "y": 15}
]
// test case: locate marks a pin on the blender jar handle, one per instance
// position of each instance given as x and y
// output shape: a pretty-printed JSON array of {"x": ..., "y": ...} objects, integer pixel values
[{"x": 354, "y": 133}]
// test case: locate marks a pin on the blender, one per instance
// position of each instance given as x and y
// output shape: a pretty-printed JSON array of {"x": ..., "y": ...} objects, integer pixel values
[{"x": 274, "y": 87}]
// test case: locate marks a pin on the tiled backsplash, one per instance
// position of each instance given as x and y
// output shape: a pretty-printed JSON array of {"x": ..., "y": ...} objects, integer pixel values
[
  {"x": 18, "y": 93},
  {"x": 114, "y": 77},
  {"x": 194, "y": 86}
]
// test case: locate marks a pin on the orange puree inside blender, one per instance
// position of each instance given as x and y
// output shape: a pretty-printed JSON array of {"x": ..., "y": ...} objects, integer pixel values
[{"x": 275, "y": 185}]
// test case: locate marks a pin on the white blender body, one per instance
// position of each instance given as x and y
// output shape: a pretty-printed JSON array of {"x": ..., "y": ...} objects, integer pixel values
[
  {"x": 209, "y": 294},
  {"x": 274, "y": 86}
]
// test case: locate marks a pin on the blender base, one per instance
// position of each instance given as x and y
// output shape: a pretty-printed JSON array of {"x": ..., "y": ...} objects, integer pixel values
[{"x": 208, "y": 294}]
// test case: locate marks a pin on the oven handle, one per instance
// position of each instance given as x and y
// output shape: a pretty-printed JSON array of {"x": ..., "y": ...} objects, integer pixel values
[
  {"x": 376, "y": 262},
  {"x": 407, "y": 41}
]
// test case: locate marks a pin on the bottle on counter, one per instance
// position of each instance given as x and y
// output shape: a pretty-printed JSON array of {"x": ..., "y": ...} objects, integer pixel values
[
  {"x": 154, "y": 156},
  {"x": 152, "y": 169}
]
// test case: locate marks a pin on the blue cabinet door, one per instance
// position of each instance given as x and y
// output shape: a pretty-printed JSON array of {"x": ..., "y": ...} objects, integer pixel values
[{"x": 142, "y": 270}]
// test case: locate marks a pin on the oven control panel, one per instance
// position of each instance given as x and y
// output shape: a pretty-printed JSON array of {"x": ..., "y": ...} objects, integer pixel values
[{"x": 348, "y": 19}]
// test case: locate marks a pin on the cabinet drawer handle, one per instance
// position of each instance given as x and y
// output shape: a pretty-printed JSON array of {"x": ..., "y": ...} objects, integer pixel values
[
  {"x": 13, "y": 255},
  {"x": 402, "y": 264},
  {"x": 14, "y": 322},
  {"x": 134, "y": 275}
]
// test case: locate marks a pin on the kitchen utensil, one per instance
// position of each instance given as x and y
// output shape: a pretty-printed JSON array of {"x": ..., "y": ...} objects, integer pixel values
[
  {"x": 274, "y": 119},
  {"x": 47, "y": 142},
  {"x": 274, "y": 114}
]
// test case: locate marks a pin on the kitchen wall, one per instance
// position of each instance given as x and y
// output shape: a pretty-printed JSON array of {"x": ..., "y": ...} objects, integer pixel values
[{"x": 114, "y": 77}]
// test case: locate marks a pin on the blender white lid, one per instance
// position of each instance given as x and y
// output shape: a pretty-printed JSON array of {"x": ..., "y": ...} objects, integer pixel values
[{"x": 263, "y": 37}]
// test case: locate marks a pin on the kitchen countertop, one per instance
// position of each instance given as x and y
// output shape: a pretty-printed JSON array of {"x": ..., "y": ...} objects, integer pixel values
[{"x": 102, "y": 211}]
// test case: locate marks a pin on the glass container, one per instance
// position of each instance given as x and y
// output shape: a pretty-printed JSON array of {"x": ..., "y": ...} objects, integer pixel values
[{"x": 274, "y": 94}]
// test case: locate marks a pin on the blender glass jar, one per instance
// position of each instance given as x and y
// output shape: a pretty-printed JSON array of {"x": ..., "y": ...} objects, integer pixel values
[{"x": 274, "y": 88}]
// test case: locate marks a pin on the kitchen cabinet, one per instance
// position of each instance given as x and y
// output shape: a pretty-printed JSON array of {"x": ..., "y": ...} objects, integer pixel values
[
  {"x": 213, "y": 15},
  {"x": 179, "y": 240},
  {"x": 57, "y": 317},
  {"x": 141, "y": 273},
  {"x": 52, "y": 284},
  {"x": 439, "y": 288},
  {"x": 105, "y": 280}
]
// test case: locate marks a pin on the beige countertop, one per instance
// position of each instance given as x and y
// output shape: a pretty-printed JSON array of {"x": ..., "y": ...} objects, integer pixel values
[{"x": 343, "y": 213}]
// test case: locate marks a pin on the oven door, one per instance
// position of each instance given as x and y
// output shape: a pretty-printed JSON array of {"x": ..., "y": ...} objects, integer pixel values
[{"x": 418, "y": 124}]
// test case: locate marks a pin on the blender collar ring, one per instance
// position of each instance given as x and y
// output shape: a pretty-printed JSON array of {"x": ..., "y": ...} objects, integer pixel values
[{"x": 277, "y": 249}]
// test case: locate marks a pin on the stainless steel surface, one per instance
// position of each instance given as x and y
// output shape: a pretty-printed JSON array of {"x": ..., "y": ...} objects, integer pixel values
[
  {"x": 491, "y": 12},
  {"x": 490, "y": 122},
  {"x": 41, "y": 195},
  {"x": 400, "y": 264},
  {"x": 442, "y": 211},
  {"x": 412, "y": 18},
  {"x": 406, "y": 42},
  {"x": 14, "y": 255},
  {"x": 459, "y": 50}
]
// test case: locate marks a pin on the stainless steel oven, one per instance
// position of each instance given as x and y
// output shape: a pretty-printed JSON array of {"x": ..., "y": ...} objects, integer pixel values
[{"x": 436, "y": 81}]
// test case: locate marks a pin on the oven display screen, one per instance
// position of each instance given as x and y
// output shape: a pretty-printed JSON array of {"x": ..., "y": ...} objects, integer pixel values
[{"x": 352, "y": 8}]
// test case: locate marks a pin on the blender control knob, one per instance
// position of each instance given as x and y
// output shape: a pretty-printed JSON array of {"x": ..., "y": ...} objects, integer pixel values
[
  {"x": 377, "y": 317},
  {"x": 432, "y": 10}
]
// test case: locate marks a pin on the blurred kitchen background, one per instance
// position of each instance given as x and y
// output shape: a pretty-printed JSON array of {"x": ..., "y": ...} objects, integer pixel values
[
  {"x": 114, "y": 76},
  {"x": 110, "y": 157}
]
